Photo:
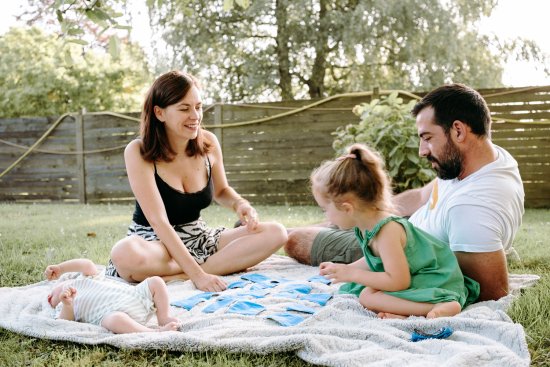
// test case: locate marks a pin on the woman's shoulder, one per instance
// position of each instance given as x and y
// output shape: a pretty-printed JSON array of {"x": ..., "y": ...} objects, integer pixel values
[
  {"x": 212, "y": 140},
  {"x": 133, "y": 147},
  {"x": 209, "y": 137}
]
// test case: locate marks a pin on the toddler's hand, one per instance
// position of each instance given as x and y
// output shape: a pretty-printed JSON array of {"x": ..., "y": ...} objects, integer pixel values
[{"x": 337, "y": 273}]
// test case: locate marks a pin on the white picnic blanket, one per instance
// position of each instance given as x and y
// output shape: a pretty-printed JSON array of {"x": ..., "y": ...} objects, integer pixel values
[{"x": 340, "y": 333}]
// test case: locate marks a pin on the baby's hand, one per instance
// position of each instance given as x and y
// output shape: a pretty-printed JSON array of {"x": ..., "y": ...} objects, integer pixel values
[
  {"x": 335, "y": 272},
  {"x": 52, "y": 272},
  {"x": 67, "y": 296}
]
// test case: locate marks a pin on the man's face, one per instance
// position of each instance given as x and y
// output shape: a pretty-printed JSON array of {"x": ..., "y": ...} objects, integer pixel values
[{"x": 438, "y": 147}]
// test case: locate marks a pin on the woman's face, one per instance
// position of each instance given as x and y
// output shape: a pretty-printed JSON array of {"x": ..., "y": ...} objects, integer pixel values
[{"x": 182, "y": 120}]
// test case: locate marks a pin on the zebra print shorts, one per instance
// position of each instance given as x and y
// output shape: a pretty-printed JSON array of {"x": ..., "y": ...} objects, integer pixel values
[{"x": 200, "y": 240}]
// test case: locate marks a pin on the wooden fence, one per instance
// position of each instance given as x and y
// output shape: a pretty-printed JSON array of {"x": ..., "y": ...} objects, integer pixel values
[{"x": 268, "y": 158}]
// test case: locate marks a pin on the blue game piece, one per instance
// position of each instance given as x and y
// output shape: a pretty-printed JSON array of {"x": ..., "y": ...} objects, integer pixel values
[
  {"x": 246, "y": 308},
  {"x": 192, "y": 301},
  {"x": 319, "y": 279},
  {"x": 300, "y": 308},
  {"x": 301, "y": 288},
  {"x": 320, "y": 298},
  {"x": 285, "y": 318},
  {"x": 256, "y": 293},
  {"x": 287, "y": 294},
  {"x": 255, "y": 277},
  {"x": 263, "y": 285},
  {"x": 219, "y": 303},
  {"x": 237, "y": 284}
]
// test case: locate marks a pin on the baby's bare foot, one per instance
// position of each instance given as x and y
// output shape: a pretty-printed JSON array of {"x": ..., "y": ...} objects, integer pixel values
[
  {"x": 166, "y": 320},
  {"x": 171, "y": 326}
]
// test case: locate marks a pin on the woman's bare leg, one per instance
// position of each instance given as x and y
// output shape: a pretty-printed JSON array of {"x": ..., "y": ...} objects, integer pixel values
[
  {"x": 239, "y": 249},
  {"x": 136, "y": 259}
]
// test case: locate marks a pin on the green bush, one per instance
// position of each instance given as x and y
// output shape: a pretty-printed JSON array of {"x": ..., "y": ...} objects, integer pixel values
[{"x": 387, "y": 125}]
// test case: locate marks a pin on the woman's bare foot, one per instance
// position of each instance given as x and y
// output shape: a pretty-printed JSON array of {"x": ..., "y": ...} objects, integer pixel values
[
  {"x": 444, "y": 309},
  {"x": 387, "y": 315},
  {"x": 171, "y": 326}
]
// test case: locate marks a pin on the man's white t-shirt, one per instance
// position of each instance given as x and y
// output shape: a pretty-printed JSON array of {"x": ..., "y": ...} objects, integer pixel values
[{"x": 480, "y": 213}]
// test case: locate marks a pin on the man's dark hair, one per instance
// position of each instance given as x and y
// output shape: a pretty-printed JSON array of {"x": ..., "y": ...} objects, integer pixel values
[{"x": 457, "y": 102}]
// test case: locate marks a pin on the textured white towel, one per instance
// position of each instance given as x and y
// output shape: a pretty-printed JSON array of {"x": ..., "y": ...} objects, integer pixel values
[{"x": 341, "y": 333}]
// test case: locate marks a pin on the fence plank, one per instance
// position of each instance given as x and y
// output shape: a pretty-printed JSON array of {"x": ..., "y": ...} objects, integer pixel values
[{"x": 269, "y": 163}]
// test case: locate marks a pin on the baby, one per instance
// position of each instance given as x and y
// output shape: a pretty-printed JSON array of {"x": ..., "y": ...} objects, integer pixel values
[{"x": 116, "y": 306}]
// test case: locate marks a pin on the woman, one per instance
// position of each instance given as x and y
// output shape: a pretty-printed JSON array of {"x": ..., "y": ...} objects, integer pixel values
[{"x": 175, "y": 170}]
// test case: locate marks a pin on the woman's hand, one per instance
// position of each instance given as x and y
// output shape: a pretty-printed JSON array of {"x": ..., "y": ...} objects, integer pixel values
[
  {"x": 247, "y": 214},
  {"x": 209, "y": 283},
  {"x": 337, "y": 273}
]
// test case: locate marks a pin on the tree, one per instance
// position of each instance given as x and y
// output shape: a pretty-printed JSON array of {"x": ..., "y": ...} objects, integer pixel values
[
  {"x": 92, "y": 22},
  {"x": 287, "y": 49},
  {"x": 40, "y": 76},
  {"x": 281, "y": 49}
]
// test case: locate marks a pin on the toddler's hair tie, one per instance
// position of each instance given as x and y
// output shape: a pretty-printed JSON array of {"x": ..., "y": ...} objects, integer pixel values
[{"x": 350, "y": 156}]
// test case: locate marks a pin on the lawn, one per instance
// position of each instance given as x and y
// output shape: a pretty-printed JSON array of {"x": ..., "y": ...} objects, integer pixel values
[{"x": 34, "y": 235}]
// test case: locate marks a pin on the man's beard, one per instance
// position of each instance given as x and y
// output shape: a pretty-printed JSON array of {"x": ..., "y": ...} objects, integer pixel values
[{"x": 450, "y": 167}]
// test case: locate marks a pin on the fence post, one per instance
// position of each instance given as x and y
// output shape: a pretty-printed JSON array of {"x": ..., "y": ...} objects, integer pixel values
[
  {"x": 375, "y": 93},
  {"x": 80, "y": 161},
  {"x": 218, "y": 120}
]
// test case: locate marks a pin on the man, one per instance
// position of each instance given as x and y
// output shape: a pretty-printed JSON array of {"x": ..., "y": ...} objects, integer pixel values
[{"x": 475, "y": 204}]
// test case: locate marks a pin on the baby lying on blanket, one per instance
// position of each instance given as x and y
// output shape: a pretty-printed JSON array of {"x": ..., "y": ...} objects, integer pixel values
[{"x": 118, "y": 307}]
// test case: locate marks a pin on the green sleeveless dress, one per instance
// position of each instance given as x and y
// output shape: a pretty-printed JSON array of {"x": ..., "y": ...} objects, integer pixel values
[{"x": 435, "y": 274}]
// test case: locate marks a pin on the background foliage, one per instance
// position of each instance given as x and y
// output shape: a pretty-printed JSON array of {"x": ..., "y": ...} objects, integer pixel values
[
  {"x": 42, "y": 76},
  {"x": 386, "y": 125},
  {"x": 282, "y": 49},
  {"x": 266, "y": 50}
]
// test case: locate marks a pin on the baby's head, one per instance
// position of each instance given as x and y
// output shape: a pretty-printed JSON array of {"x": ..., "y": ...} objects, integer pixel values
[
  {"x": 54, "y": 297},
  {"x": 359, "y": 177}
]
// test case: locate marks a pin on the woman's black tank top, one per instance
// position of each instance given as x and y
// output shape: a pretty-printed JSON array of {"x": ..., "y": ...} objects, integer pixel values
[{"x": 181, "y": 207}]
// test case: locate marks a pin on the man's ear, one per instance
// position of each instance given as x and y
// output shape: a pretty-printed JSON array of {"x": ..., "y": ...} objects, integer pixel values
[
  {"x": 460, "y": 130},
  {"x": 159, "y": 113}
]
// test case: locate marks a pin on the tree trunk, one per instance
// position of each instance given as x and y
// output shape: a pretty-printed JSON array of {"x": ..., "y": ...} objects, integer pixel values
[
  {"x": 285, "y": 79},
  {"x": 316, "y": 82}
]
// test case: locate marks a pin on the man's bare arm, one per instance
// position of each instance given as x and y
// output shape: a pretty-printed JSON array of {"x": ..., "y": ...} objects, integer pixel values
[
  {"x": 489, "y": 269},
  {"x": 407, "y": 202}
]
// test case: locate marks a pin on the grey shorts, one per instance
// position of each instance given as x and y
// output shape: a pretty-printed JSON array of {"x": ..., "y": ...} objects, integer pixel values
[
  {"x": 335, "y": 245},
  {"x": 200, "y": 240}
]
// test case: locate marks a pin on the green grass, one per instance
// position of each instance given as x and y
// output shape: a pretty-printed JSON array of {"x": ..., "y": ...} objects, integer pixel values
[{"x": 32, "y": 236}]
